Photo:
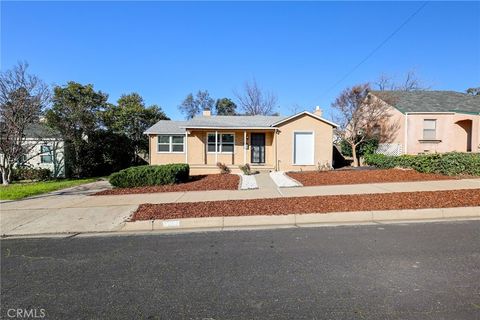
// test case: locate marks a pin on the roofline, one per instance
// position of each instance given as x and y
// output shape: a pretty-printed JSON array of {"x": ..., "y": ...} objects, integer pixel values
[
  {"x": 171, "y": 133},
  {"x": 229, "y": 128},
  {"x": 307, "y": 113},
  {"x": 429, "y": 112}
]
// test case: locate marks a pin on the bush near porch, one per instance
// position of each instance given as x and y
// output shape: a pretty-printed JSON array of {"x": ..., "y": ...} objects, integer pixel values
[
  {"x": 452, "y": 163},
  {"x": 150, "y": 175}
]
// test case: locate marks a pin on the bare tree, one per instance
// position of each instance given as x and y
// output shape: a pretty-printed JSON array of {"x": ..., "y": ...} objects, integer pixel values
[
  {"x": 411, "y": 82},
  {"x": 384, "y": 82},
  {"x": 22, "y": 99},
  {"x": 255, "y": 101},
  {"x": 362, "y": 116}
]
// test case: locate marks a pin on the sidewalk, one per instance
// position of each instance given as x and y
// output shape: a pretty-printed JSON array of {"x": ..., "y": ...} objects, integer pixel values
[{"x": 74, "y": 210}]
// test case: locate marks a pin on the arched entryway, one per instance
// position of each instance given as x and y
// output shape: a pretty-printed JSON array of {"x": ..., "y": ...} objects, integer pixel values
[{"x": 464, "y": 141}]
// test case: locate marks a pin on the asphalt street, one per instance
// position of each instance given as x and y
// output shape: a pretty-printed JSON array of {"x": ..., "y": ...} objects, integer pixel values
[{"x": 383, "y": 271}]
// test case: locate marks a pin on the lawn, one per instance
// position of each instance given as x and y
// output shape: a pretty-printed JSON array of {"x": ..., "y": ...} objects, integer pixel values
[{"x": 21, "y": 190}]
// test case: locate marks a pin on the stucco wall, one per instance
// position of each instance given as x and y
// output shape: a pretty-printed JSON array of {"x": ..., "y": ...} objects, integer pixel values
[
  {"x": 451, "y": 136},
  {"x": 323, "y": 138},
  {"x": 197, "y": 154}
]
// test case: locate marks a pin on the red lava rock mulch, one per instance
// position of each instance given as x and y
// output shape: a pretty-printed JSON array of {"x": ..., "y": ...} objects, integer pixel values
[
  {"x": 196, "y": 183},
  {"x": 316, "y": 178},
  {"x": 316, "y": 204}
]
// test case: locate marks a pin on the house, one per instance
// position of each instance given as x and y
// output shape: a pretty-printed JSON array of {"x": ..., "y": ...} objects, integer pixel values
[
  {"x": 298, "y": 142},
  {"x": 45, "y": 149},
  {"x": 430, "y": 121}
]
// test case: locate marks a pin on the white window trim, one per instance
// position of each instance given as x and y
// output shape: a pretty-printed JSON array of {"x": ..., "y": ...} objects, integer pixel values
[
  {"x": 170, "y": 144},
  {"x": 47, "y": 153},
  {"x": 434, "y": 130},
  {"x": 220, "y": 142},
  {"x": 293, "y": 147}
]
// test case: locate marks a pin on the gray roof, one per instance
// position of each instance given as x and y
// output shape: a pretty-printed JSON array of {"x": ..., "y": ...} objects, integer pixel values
[
  {"x": 41, "y": 131},
  {"x": 234, "y": 121},
  {"x": 222, "y": 122},
  {"x": 167, "y": 126},
  {"x": 431, "y": 101}
]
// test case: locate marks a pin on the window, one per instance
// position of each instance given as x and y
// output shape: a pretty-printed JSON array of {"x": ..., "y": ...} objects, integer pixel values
[
  {"x": 46, "y": 156},
  {"x": 429, "y": 129},
  {"x": 171, "y": 143},
  {"x": 225, "y": 142}
]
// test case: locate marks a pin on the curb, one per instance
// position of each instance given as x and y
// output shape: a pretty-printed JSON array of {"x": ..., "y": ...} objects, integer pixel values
[{"x": 300, "y": 220}]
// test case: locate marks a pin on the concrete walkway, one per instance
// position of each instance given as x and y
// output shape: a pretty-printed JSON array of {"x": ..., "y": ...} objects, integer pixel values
[{"x": 75, "y": 210}]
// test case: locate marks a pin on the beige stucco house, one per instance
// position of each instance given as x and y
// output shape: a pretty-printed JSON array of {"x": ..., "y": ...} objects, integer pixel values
[
  {"x": 299, "y": 142},
  {"x": 431, "y": 121}
]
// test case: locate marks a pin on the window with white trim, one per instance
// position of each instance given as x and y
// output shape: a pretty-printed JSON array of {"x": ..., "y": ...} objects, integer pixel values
[
  {"x": 171, "y": 143},
  {"x": 429, "y": 129},
  {"x": 225, "y": 142},
  {"x": 46, "y": 154}
]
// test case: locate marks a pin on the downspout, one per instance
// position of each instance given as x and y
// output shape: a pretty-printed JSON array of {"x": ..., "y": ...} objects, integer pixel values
[
  {"x": 186, "y": 147},
  {"x": 276, "y": 149},
  {"x": 216, "y": 147},
  {"x": 244, "y": 147},
  {"x": 405, "y": 134}
]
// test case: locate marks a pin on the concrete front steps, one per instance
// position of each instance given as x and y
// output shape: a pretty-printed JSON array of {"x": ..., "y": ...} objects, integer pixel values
[
  {"x": 213, "y": 169},
  {"x": 301, "y": 220}
]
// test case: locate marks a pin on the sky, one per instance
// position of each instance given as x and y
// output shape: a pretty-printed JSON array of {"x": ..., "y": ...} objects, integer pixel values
[{"x": 304, "y": 52}]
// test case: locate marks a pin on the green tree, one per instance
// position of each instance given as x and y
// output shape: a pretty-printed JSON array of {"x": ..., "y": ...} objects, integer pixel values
[
  {"x": 225, "y": 107},
  {"x": 474, "y": 91},
  {"x": 76, "y": 115},
  {"x": 130, "y": 117},
  {"x": 192, "y": 105}
]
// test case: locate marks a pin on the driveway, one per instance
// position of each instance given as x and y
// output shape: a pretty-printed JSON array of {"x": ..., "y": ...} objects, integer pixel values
[{"x": 63, "y": 211}]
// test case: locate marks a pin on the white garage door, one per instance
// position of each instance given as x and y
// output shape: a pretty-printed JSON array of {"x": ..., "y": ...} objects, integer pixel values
[{"x": 303, "y": 148}]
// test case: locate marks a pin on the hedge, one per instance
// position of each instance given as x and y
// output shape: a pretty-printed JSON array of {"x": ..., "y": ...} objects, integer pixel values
[
  {"x": 150, "y": 175},
  {"x": 37, "y": 174},
  {"x": 452, "y": 163}
]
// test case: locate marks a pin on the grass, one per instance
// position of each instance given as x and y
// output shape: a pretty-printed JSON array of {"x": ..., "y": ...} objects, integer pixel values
[{"x": 21, "y": 190}]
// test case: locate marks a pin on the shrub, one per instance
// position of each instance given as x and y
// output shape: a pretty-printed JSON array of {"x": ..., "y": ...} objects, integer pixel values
[
  {"x": 150, "y": 175},
  {"x": 452, "y": 163},
  {"x": 368, "y": 146},
  {"x": 38, "y": 174},
  {"x": 246, "y": 169},
  {"x": 224, "y": 169}
]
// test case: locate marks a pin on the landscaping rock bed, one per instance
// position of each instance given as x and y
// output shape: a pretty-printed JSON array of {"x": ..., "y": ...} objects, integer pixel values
[
  {"x": 316, "y": 178},
  {"x": 316, "y": 204},
  {"x": 196, "y": 183}
]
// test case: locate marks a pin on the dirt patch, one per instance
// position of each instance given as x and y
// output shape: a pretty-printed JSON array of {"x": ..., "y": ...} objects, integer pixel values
[
  {"x": 196, "y": 183},
  {"x": 315, "y": 178},
  {"x": 317, "y": 204}
]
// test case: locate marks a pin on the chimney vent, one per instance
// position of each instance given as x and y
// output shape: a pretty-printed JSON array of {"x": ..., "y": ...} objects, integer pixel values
[
  {"x": 318, "y": 111},
  {"x": 207, "y": 113}
]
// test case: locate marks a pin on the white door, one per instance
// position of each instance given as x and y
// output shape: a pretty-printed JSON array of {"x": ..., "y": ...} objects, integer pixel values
[{"x": 303, "y": 148}]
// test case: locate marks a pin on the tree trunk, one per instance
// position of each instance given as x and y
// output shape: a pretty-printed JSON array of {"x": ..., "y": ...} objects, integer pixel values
[
  {"x": 354, "y": 154},
  {"x": 5, "y": 180}
]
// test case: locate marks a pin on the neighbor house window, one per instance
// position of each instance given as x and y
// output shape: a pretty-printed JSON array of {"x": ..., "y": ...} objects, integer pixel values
[
  {"x": 46, "y": 156},
  {"x": 429, "y": 129},
  {"x": 174, "y": 143},
  {"x": 225, "y": 142}
]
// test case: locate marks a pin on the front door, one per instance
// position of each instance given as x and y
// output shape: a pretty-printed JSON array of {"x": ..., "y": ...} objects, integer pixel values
[{"x": 257, "y": 141}]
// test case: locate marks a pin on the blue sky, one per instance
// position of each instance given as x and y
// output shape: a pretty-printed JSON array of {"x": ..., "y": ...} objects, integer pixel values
[{"x": 299, "y": 50}]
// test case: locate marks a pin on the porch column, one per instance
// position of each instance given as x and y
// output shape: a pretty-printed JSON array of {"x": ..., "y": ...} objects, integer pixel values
[
  {"x": 244, "y": 146},
  {"x": 186, "y": 146},
  {"x": 216, "y": 147}
]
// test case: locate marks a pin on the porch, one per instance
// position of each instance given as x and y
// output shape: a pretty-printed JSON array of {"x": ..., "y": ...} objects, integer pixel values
[{"x": 207, "y": 147}]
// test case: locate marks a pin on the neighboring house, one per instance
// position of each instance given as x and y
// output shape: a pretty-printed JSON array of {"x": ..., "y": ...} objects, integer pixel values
[
  {"x": 299, "y": 142},
  {"x": 431, "y": 121},
  {"x": 46, "y": 149}
]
